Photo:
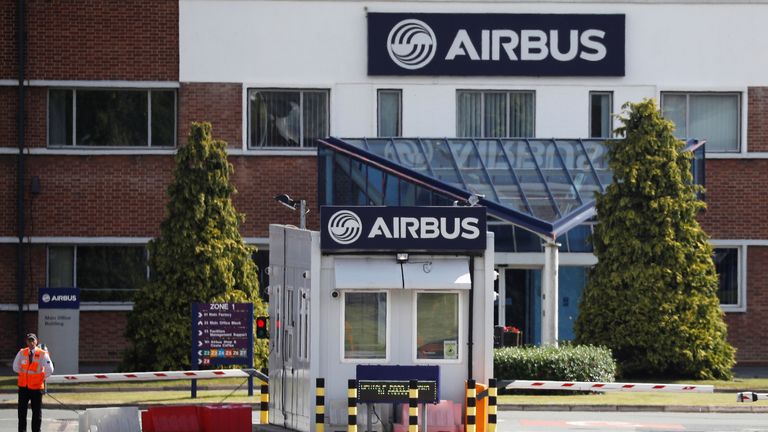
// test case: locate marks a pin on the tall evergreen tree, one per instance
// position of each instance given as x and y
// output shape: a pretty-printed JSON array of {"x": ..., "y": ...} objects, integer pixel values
[
  {"x": 652, "y": 297},
  {"x": 200, "y": 256}
]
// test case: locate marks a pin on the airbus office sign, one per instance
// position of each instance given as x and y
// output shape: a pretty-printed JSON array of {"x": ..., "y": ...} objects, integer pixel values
[
  {"x": 403, "y": 228},
  {"x": 495, "y": 44}
]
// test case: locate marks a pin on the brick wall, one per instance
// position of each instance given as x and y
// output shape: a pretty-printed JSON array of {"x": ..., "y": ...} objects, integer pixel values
[
  {"x": 94, "y": 40},
  {"x": 8, "y": 68},
  {"x": 735, "y": 196},
  {"x": 217, "y": 103},
  {"x": 746, "y": 331},
  {"x": 757, "y": 112}
]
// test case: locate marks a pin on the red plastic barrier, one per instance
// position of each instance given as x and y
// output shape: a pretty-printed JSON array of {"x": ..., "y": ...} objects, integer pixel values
[
  {"x": 146, "y": 422},
  {"x": 230, "y": 418},
  {"x": 175, "y": 419}
]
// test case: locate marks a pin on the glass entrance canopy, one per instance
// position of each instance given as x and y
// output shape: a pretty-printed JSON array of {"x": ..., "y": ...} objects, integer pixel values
[{"x": 546, "y": 186}]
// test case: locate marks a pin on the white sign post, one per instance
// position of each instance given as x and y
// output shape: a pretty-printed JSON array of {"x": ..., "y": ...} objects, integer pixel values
[{"x": 58, "y": 327}]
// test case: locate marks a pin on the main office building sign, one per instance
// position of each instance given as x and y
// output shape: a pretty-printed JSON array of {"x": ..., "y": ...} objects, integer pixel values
[{"x": 496, "y": 44}]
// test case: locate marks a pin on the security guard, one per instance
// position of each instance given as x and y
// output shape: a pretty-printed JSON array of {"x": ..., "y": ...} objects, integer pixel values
[{"x": 33, "y": 364}]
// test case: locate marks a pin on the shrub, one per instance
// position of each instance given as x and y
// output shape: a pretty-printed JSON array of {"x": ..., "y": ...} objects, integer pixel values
[{"x": 564, "y": 363}]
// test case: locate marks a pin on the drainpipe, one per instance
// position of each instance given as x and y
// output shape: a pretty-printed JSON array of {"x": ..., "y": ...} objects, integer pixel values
[{"x": 21, "y": 45}]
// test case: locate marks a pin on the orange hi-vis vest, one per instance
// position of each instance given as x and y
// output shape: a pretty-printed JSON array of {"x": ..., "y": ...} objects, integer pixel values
[{"x": 32, "y": 375}]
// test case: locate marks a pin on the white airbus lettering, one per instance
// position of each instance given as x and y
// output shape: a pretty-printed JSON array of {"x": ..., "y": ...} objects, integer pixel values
[
  {"x": 425, "y": 228},
  {"x": 528, "y": 45}
]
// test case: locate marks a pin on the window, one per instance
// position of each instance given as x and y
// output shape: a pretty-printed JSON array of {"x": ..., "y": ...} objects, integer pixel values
[
  {"x": 287, "y": 118},
  {"x": 111, "y": 118},
  {"x": 714, "y": 117},
  {"x": 365, "y": 325},
  {"x": 495, "y": 114},
  {"x": 390, "y": 113},
  {"x": 103, "y": 273},
  {"x": 728, "y": 267},
  {"x": 437, "y": 326},
  {"x": 600, "y": 124}
]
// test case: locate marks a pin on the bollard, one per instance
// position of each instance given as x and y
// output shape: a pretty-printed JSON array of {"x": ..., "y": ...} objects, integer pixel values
[
  {"x": 352, "y": 405},
  {"x": 492, "y": 405},
  {"x": 319, "y": 405},
  {"x": 471, "y": 405},
  {"x": 264, "y": 407},
  {"x": 413, "y": 406}
]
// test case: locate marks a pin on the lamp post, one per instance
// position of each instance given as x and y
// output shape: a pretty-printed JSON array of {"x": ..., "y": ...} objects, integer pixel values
[{"x": 292, "y": 204}]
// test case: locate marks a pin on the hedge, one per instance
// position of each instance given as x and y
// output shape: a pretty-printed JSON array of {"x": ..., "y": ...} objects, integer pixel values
[{"x": 564, "y": 363}]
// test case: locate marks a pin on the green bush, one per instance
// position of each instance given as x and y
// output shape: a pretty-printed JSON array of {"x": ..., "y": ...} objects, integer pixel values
[{"x": 564, "y": 363}]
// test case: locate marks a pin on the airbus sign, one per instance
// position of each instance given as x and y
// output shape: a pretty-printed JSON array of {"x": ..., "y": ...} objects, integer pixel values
[
  {"x": 403, "y": 228},
  {"x": 496, "y": 44}
]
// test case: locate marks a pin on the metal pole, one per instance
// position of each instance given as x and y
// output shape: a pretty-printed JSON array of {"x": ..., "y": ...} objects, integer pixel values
[
  {"x": 303, "y": 214},
  {"x": 549, "y": 294}
]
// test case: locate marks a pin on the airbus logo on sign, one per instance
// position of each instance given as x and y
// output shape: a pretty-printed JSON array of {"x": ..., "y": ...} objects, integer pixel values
[
  {"x": 403, "y": 228},
  {"x": 46, "y": 298},
  {"x": 411, "y": 44},
  {"x": 58, "y": 298},
  {"x": 496, "y": 44},
  {"x": 345, "y": 227}
]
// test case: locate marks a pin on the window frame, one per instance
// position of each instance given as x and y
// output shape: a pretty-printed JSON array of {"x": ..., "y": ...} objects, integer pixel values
[
  {"x": 741, "y": 256},
  {"x": 149, "y": 92},
  {"x": 399, "y": 93},
  {"x": 301, "y": 90},
  {"x": 608, "y": 93},
  {"x": 415, "y": 332},
  {"x": 508, "y": 117},
  {"x": 74, "y": 247},
  {"x": 387, "y": 327},
  {"x": 740, "y": 113}
]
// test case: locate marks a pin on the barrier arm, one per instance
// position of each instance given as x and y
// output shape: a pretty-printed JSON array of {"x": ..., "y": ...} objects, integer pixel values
[
  {"x": 606, "y": 386},
  {"x": 750, "y": 396},
  {"x": 156, "y": 376}
]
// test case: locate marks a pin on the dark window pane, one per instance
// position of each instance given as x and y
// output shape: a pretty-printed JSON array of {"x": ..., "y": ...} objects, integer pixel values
[
  {"x": 60, "y": 117},
  {"x": 315, "y": 117},
  {"x": 389, "y": 113},
  {"x": 111, "y": 118},
  {"x": 61, "y": 267},
  {"x": 163, "y": 118},
  {"x": 600, "y": 115},
  {"x": 727, "y": 267},
  {"x": 110, "y": 273},
  {"x": 275, "y": 119}
]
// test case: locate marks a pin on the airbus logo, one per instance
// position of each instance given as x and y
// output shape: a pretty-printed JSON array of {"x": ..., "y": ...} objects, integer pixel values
[
  {"x": 345, "y": 227},
  {"x": 411, "y": 44},
  {"x": 46, "y": 298}
]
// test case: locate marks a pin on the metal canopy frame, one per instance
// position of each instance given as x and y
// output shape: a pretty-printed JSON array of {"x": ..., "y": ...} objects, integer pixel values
[{"x": 542, "y": 182}]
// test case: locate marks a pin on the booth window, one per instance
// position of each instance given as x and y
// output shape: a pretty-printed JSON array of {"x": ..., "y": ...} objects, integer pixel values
[
  {"x": 495, "y": 114},
  {"x": 600, "y": 125},
  {"x": 103, "y": 273},
  {"x": 111, "y": 118},
  {"x": 390, "y": 113},
  {"x": 437, "y": 326},
  {"x": 287, "y": 118},
  {"x": 365, "y": 325},
  {"x": 728, "y": 267},
  {"x": 714, "y": 117}
]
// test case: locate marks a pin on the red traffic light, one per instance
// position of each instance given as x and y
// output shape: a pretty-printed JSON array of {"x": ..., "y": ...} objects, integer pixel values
[
  {"x": 261, "y": 322},
  {"x": 261, "y": 328}
]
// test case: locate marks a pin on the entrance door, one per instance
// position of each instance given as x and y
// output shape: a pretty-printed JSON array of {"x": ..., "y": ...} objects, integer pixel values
[{"x": 522, "y": 305}]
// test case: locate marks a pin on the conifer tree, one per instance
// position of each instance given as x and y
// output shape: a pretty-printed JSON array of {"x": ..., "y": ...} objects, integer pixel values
[
  {"x": 652, "y": 297},
  {"x": 200, "y": 256}
]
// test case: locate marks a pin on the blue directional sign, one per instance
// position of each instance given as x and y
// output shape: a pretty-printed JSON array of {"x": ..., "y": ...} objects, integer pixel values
[{"x": 222, "y": 334}]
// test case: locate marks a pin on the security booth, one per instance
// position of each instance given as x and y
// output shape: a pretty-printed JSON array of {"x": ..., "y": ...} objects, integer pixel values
[{"x": 381, "y": 295}]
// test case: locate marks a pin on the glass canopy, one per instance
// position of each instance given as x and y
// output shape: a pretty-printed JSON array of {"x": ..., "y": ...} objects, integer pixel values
[{"x": 546, "y": 186}]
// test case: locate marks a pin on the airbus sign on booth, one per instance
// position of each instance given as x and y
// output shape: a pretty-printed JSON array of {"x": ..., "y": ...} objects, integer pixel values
[
  {"x": 496, "y": 44},
  {"x": 403, "y": 228}
]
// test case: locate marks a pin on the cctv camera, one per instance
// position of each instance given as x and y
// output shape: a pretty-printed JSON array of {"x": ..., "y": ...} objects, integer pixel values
[{"x": 335, "y": 293}]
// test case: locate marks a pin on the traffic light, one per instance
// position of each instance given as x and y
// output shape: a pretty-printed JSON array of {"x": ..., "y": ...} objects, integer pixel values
[{"x": 262, "y": 329}]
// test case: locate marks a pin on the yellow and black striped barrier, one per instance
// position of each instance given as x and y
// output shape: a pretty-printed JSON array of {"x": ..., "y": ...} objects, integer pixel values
[
  {"x": 492, "y": 391},
  {"x": 471, "y": 405},
  {"x": 264, "y": 406},
  {"x": 352, "y": 405},
  {"x": 413, "y": 406},
  {"x": 319, "y": 404}
]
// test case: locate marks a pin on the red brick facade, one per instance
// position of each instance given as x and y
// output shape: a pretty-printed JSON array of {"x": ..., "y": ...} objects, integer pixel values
[
  {"x": 217, "y": 103},
  {"x": 746, "y": 330},
  {"x": 757, "y": 112},
  {"x": 67, "y": 41}
]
